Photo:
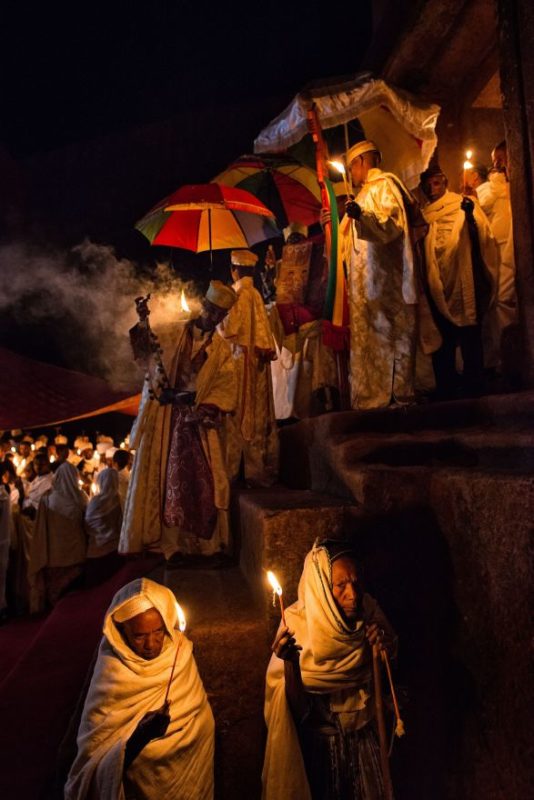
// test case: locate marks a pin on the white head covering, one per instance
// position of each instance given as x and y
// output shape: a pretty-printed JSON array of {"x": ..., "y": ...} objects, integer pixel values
[
  {"x": 103, "y": 516},
  {"x": 124, "y": 688},
  {"x": 359, "y": 149},
  {"x": 110, "y": 452},
  {"x": 243, "y": 258},
  {"x": 66, "y": 497},
  {"x": 221, "y": 295},
  {"x": 102, "y": 447}
]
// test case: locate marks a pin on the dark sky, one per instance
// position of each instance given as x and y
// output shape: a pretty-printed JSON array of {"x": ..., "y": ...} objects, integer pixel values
[{"x": 95, "y": 68}]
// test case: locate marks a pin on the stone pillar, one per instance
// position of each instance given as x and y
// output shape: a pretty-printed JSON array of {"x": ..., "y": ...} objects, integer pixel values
[{"x": 516, "y": 33}]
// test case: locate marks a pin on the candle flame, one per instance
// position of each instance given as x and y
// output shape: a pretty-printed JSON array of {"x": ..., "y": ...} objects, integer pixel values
[
  {"x": 79, "y": 451},
  {"x": 183, "y": 302},
  {"x": 468, "y": 165},
  {"x": 32, "y": 447},
  {"x": 13, "y": 449},
  {"x": 52, "y": 459},
  {"x": 468, "y": 154},
  {"x": 181, "y": 618},
  {"x": 94, "y": 488},
  {"x": 80, "y": 483},
  {"x": 271, "y": 577},
  {"x": 339, "y": 166}
]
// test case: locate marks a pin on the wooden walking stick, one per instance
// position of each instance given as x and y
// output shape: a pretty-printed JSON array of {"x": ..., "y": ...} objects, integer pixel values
[
  {"x": 384, "y": 758},
  {"x": 399, "y": 724}
]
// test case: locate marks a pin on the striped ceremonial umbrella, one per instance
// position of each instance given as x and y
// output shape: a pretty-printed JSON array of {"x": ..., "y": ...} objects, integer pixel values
[
  {"x": 286, "y": 186},
  {"x": 208, "y": 216}
]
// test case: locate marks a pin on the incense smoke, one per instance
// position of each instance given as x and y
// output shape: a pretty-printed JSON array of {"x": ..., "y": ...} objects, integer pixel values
[{"x": 89, "y": 293}]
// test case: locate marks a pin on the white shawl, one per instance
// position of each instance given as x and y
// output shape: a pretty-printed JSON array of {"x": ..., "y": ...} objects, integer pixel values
[
  {"x": 103, "y": 516},
  {"x": 123, "y": 689},
  {"x": 333, "y": 657}
]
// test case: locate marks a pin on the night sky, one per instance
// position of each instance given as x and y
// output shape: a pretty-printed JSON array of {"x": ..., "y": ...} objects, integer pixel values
[
  {"x": 80, "y": 84},
  {"x": 95, "y": 68}
]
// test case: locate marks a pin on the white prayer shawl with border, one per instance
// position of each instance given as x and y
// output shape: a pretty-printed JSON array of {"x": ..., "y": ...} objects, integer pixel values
[
  {"x": 123, "y": 689},
  {"x": 333, "y": 657}
]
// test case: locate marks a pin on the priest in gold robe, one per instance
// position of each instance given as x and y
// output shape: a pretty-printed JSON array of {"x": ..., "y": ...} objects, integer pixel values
[
  {"x": 251, "y": 434},
  {"x": 179, "y": 494},
  {"x": 381, "y": 284}
]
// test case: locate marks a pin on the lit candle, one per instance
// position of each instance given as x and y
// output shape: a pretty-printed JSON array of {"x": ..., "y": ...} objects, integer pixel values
[
  {"x": 52, "y": 459},
  {"x": 13, "y": 449},
  {"x": 277, "y": 589},
  {"x": 32, "y": 447},
  {"x": 94, "y": 488},
  {"x": 341, "y": 169},
  {"x": 181, "y": 627},
  {"x": 467, "y": 165},
  {"x": 184, "y": 305}
]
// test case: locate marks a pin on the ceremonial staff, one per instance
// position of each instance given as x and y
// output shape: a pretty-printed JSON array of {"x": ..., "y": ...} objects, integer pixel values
[
  {"x": 146, "y": 348},
  {"x": 335, "y": 302}
]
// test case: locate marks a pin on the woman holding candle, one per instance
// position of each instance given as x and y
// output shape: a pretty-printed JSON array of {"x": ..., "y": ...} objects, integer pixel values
[
  {"x": 319, "y": 704},
  {"x": 147, "y": 728}
]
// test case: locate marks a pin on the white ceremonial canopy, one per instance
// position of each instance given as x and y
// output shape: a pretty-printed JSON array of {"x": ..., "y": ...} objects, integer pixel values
[{"x": 403, "y": 126}]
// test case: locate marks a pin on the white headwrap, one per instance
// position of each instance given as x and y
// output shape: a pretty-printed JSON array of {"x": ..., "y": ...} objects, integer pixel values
[
  {"x": 103, "y": 516},
  {"x": 123, "y": 689},
  {"x": 66, "y": 497}
]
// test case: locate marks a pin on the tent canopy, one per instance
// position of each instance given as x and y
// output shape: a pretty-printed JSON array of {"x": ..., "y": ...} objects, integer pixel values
[
  {"x": 402, "y": 125},
  {"x": 40, "y": 395}
]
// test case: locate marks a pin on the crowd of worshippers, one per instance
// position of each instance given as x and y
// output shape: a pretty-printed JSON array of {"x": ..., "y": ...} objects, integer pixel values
[
  {"x": 430, "y": 279},
  {"x": 61, "y": 509},
  {"x": 147, "y": 729}
]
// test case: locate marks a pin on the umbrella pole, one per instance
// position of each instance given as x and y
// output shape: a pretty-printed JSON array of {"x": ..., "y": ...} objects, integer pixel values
[{"x": 209, "y": 239}]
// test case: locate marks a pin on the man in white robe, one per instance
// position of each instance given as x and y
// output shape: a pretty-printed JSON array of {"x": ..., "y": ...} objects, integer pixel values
[
  {"x": 462, "y": 264},
  {"x": 319, "y": 705},
  {"x": 381, "y": 284},
  {"x": 136, "y": 739},
  {"x": 494, "y": 198}
]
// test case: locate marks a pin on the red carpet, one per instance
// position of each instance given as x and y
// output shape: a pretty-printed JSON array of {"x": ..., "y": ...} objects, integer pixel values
[{"x": 40, "y": 690}]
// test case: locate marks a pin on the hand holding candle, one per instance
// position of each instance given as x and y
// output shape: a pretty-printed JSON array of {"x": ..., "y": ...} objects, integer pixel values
[
  {"x": 340, "y": 167},
  {"x": 277, "y": 589},
  {"x": 467, "y": 165}
]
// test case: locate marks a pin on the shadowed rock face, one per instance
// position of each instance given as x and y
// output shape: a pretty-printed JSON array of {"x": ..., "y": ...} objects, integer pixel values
[{"x": 440, "y": 505}]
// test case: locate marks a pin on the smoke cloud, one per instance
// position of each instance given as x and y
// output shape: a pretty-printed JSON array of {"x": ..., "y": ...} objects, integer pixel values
[{"x": 89, "y": 294}]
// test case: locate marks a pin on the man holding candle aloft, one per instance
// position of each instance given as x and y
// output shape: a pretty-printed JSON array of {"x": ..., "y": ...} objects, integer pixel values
[
  {"x": 462, "y": 269},
  {"x": 381, "y": 283},
  {"x": 147, "y": 729},
  {"x": 179, "y": 493},
  {"x": 319, "y": 704}
]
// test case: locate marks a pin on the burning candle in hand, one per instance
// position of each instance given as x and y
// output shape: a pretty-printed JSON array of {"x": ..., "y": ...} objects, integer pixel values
[
  {"x": 467, "y": 165},
  {"x": 340, "y": 167},
  {"x": 277, "y": 589}
]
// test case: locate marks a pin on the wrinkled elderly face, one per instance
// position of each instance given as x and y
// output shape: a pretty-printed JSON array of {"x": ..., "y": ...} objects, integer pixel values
[
  {"x": 345, "y": 587},
  {"x": 145, "y": 633},
  {"x": 435, "y": 187}
]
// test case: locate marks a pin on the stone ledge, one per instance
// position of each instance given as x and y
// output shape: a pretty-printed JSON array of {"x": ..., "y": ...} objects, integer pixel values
[{"x": 278, "y": 527}]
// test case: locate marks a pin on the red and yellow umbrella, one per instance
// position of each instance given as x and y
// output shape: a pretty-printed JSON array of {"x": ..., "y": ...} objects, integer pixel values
[
  {"x": 287, "y": 187},
  {"x": 208, "y": 216}
]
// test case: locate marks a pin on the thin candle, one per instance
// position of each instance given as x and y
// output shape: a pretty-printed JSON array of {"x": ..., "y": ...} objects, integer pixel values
[
  {"x": 341, "y": 169},
  {"x": 181, "y": 626},
  {"x": 277, "y": 589},
  {"x": 467, "y": 165}
]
